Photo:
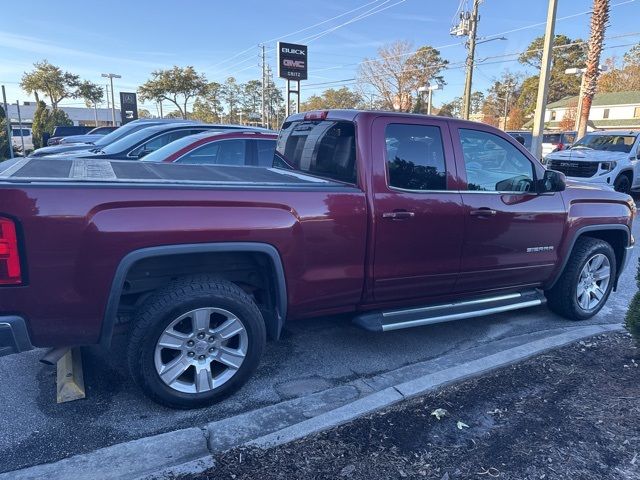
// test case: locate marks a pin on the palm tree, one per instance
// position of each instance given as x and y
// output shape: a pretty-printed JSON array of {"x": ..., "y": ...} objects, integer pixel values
[{"x": 599, "y": 19}]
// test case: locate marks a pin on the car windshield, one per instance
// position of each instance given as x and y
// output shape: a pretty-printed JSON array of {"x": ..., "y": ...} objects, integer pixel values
[
  {"x": 553, "y": 138},
  {"x": 611, "y": 143},
  {"x": 163, "y": 152},
  {"x": 121, "y": 132}
]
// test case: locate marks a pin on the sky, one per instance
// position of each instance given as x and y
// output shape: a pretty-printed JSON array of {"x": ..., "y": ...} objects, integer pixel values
[{"x": 222, "y": 38}]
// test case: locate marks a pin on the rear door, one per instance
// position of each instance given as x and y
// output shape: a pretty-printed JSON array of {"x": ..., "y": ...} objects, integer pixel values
[
  {"x": 418, "y": 213},
  {"x": 512, "y": 233}
]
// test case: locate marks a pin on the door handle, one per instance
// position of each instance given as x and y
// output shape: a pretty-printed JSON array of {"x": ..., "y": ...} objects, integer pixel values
[
  {"x": 398, "y": 215},
  {"x": 483, "y": 212}
]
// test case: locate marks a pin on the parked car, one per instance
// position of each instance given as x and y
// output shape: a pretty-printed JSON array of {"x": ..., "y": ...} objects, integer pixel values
[
  {"x": 522, "y": 136},
  {"x": 109, "y": 138},
  {"x": 145, "y": 141},
  {"x": 556, "y": 141},
  {"x": 399, "y": 220},
  {"x": 219, "y": 148},
  {"x": 89, "y": 137},
  {"x": 18, "y": 135},
  {"x": 605, "y": 158},
  {"x": 60, "y": 132}
]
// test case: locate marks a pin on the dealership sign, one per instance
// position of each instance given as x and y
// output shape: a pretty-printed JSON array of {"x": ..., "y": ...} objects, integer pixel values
[
  {"x": 292, "y": 61},
  {"x": 128, "y": 107}
]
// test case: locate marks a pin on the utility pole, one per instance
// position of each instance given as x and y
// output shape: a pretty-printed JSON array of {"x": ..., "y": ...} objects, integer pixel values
[
  {"x": 6, "y": 112},
  {"x": 24, "y": 154},
  {"x": 269, "y": 99},
  {"x": 471, "y": 46},
  {"x": 264, "y": 79},
  {"x": 106, "y": 88},
  {"x": 543, "y": 86},
  {"x": 508, "y": 87},
  {"x": 111, "y": 76}
]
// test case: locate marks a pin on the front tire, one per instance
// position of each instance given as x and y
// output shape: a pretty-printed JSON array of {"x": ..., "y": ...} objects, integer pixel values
[
  {"x": 195, "y": 341},
  {"x": 622, "y": 184},
  {"x": 586, "y": 282}
]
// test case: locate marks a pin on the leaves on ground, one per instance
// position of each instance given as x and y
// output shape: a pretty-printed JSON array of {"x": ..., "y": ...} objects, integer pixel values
[
  {"x": 461, "y": 425},
  {"x": 439, "y": 413}
]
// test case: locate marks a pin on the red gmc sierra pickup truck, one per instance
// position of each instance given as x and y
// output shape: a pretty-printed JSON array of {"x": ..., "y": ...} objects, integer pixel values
[{"x": 403, "y": 220}]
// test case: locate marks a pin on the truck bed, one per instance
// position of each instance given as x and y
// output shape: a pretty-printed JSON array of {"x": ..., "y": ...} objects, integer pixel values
[{"x": 36, "y": 170}]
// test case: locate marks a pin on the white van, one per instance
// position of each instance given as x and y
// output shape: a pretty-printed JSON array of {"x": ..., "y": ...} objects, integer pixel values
[{"x": 17, "y": 140}]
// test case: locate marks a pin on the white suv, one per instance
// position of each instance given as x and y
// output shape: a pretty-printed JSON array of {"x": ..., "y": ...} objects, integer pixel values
[{"x": 610, "y": 158}]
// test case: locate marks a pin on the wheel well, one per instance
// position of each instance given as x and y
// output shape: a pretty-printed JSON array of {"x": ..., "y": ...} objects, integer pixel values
[
  {"x": 618, "y": 240},
  {"x": 254, "y": 272},
  {"x": 628, "y": 174}
]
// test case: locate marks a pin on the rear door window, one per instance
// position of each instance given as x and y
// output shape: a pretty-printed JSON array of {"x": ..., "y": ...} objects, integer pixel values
[
  {"x": 266, "y": 148},
  {"x": 323, "y": 148},
  {"x": 415, "y": 157}
]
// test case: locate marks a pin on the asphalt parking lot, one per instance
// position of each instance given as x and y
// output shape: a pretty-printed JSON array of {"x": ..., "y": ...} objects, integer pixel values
[{"x": 313, "y": 355}]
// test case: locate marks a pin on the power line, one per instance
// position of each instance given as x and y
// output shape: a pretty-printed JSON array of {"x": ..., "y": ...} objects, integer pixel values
[
  {"x": 372, "y": 11},
  {"x": 480, "y": 62},
  {"x": 297, "y": 31},
  {"x": 449, "y": 45}
]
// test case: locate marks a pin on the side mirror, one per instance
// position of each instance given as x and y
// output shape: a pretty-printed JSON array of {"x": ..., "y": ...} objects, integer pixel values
[{"x": 552, "y": 181}]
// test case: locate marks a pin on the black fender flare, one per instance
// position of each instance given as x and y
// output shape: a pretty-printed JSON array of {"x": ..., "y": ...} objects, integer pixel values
[
  {"x": 593, "y": 228},
  {"x": 117, "y": 285}
]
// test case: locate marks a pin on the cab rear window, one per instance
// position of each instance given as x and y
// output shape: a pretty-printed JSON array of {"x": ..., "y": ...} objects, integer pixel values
[{"x": 323, "y": 148}]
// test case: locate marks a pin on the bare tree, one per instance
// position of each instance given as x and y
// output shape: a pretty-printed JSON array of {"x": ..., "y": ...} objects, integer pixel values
[
  {"x": 599, "y": 19},
  {"x": 398, "y": 71}
]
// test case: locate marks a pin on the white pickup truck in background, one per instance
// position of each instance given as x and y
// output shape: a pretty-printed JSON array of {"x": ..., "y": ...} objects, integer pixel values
[{"x": 609, "y": 157}]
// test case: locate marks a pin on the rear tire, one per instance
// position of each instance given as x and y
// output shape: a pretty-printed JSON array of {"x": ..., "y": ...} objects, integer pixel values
[
  {"x": 586, "y": 282},
  {"x": 195, "y": 341}
]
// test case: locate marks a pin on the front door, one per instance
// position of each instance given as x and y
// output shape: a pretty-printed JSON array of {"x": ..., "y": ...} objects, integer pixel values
[
  {"x": 512, "y": 233},
  {"x": 418, "y": 221}
]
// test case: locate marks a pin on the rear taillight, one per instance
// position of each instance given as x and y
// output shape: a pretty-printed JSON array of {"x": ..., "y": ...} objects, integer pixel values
[{"x": 10, "y": 273}]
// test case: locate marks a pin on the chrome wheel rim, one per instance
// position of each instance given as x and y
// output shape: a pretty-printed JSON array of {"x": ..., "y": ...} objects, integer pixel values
[
  {"x": 201, "y": 350},
  {"x": 593, "y": 282}
]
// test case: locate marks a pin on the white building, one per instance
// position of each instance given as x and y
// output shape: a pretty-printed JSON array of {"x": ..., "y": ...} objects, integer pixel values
[
  {"x": 78, "y": 115},
  {"x": 608, "y": 111}
]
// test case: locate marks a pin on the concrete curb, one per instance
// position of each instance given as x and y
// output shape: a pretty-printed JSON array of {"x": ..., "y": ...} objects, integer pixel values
[
  {"x": 123, "y": 461},
  {"x": 190, "y": 450}
]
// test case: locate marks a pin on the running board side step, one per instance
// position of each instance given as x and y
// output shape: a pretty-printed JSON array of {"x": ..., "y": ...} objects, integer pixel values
[{"x": 383, "y": 321}]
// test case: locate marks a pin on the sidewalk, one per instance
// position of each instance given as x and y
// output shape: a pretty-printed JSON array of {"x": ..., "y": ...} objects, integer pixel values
[{"x": 573, "y": 413}]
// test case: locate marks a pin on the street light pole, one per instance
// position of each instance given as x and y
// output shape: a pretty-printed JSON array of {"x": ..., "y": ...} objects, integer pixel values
[
  {"x": 581, "y": 72},
  {"x": 543, "y": 86},
  {"x": 429, "y": 89},
  {"x": 111, "y": 76}
]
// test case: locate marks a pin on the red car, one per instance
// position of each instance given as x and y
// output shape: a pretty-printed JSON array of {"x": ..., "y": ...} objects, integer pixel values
[{"x": 240, "y": 147}]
